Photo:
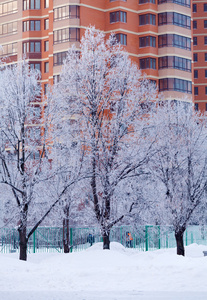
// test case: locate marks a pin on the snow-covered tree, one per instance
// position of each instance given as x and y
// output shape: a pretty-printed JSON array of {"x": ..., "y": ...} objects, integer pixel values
[
  {"x": 65, "y": 185},
  {"x": 102, "y": 91},
  {"x": 24, "y": 138},
  {"x": 179, "y": 165}
]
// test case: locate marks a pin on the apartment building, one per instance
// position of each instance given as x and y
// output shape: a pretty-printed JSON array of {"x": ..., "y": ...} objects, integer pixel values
[
  {"x": 156, "y": 33},
  {"x": 199, "y": 9}
]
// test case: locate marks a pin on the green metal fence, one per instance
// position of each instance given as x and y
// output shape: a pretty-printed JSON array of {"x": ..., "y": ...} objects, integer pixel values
[{"x": 145, "y": 238}]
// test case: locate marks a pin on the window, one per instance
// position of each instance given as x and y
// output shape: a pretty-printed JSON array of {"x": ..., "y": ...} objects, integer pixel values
[
  {"x": 46, "y": 24},
  {"x": 46, "y": 4},
  {"x": 205, "y": 6},
  {"x": 147, "y": 19},
  {"x": 37, "y": 46},
  {"x": 25, "y": 4},
  {"x": 153, "y": 82},
  {"x": 56, "y": 79},
  {"x": 195, "y": 74},
  {"x": 206, "y": 73},
  {"x": 36, "y": 155},
  {"x": 194, "y": 8},
  {"x": 196, "y": 106},
  {"x": 194, "y": 24},
  {"x": 8, "y": 49},
  {"x": 37, "y": 25},
  {"x": 35, "y": 66},
  {"x": 33, "y": 25},
  {"x": 31, "y": 47},
  {"x": 66, "y": 35},
  {"x": 121, "y": 38},
  {"x": 8, "y": 28},
  {"x": 205, "y": 56},
  {"x": 195, "y": 42},
  {"x": 58, "y": 58},
  {"x": 179, "y": 2},
  {"x": 205, "y": 40},
  {"x": 206, "y": 90},
  {"x": 195, "y": 57},
  {"x": 174, "y": 18},
  {"x": 206, "y": 106},
  {"x": 34, "y": 132},
  {"x": 46, "y": 67},
  {"x": 66, "y": 12},
  {"x": 26, "y": 26},
  {"x": 174, "y": 62},
  {"x": 46, "y": 46},
  {"x": 45, "y": 88},
  {"x": 118, "y": 16},
  {"x": 8, "y": 8},
  {"x": 31, "y": 4},
  {"x": 36, "y": 112},
  {"x": 205, "y": 23},
  {"x": 147, "y": 41},
  {"x": 174, "y": 40},
  {"x": 195, "y": 90},
  {"x": 147, "y": 1},
  {"x": 175, "y": 84},
  {"x": 147, "y": 63}
]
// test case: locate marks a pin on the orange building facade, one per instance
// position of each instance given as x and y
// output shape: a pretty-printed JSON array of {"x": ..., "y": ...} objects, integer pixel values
[
  {"x": 199, "y": 9},
  {"x": 156, "y": 33}
]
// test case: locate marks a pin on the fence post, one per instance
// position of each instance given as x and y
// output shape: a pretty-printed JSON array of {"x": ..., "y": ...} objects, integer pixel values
[
  {"x": 146, "y": 238},
  {"x": 71, "y": 239},
  {"x": 159, "y": 241},
  {"x": 34, "y": 242},
  {"x": 186, "y": 238}
]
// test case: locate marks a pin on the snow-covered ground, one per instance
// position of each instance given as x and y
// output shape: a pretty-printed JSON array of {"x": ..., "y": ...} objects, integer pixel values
[{"x": 96, "y": 274}]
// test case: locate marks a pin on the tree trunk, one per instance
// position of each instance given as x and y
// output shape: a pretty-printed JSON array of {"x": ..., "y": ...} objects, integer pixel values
[
  {"x": 66, "y": 236},
  {"x": 106, "y": 240},
  {"x": 179, "y": 242},
  {"x": 66, "y": 233},
  {"x": 23, "y": 239},
  {"x": 23, "y": 243}
]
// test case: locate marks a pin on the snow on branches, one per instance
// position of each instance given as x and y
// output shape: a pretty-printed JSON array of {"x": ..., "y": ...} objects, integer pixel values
[
  {"x": 102, "y": 91},
  {"x": 179, "y": 164},
  {"x": 24, "y": 129}
]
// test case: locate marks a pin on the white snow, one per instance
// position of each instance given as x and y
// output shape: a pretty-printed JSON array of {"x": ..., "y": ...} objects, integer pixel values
[{"x": 102, "y": 274}]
